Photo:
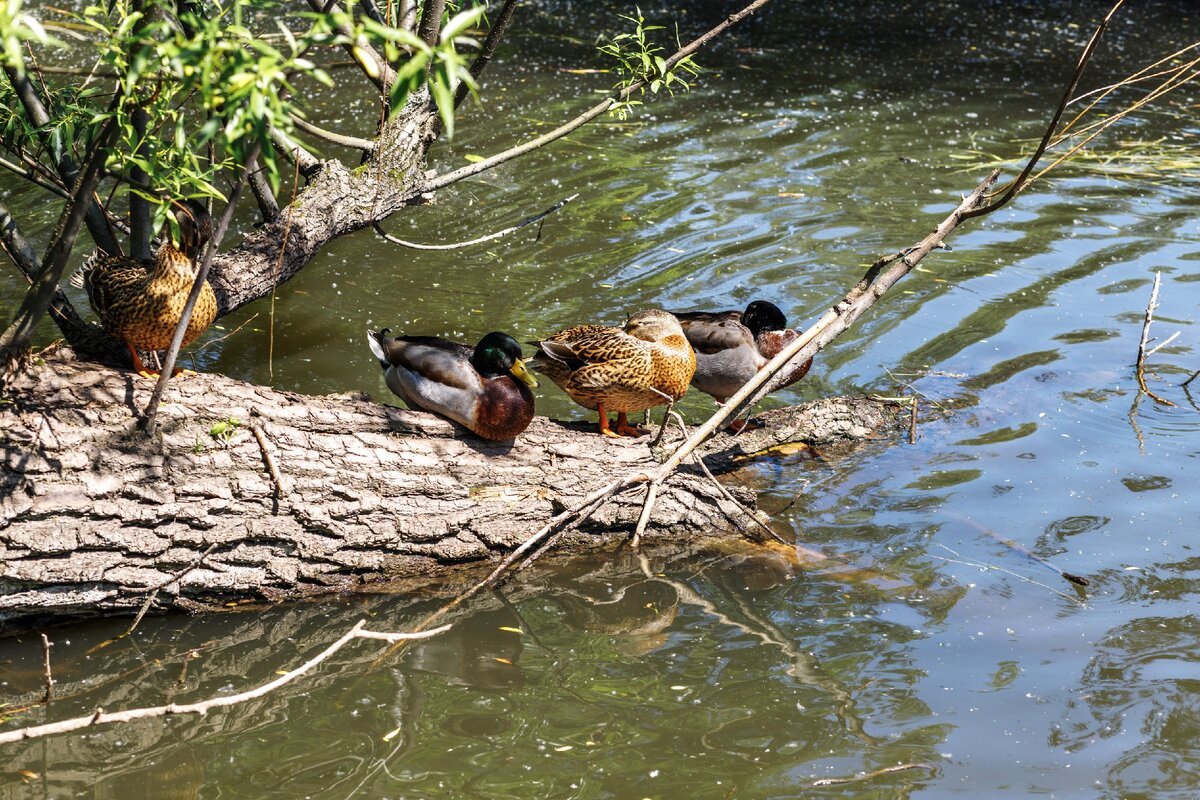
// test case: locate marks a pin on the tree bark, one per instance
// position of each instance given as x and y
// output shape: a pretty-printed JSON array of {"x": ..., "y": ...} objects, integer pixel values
[{"x": 310, "y": 494}]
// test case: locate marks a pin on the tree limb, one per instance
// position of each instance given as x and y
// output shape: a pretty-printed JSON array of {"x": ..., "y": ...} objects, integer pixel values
[
  {"x": 100, "y": 717},
  {"x": 604, "y": 105},
  {"x": 67, "y": 170},
  {"x": 459, "y": 245},
  {"x": 431, "y": 21},
  {"x": 488, "y": 49}
]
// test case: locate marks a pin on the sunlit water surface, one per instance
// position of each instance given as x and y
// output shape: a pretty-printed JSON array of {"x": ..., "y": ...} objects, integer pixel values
[{"x": 822, "y": 135}]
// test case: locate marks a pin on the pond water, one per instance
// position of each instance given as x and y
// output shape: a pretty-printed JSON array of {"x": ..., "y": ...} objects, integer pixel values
[{"x": 822, "y": 135}]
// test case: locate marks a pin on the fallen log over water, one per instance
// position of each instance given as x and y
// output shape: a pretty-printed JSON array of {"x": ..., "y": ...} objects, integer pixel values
[{"x": 309, "y": 495}]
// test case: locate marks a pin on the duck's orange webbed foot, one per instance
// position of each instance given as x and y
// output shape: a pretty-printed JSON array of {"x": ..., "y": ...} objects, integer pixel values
[
  {"x": 625, "y": 429},
  {"x": 739, "y": 425},
  {"x": 604, "y": 429}
]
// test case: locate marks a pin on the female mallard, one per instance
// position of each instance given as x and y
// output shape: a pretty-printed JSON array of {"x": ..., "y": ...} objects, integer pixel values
[
  {"x": 647, "y": 363},
  {"x": 484, "y": 388},
  {"x": 731, "y": 346},
  {"x": 141, "y": 302}
]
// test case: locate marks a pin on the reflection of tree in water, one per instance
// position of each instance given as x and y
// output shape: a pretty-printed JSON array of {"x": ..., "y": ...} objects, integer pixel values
[
  {"x": 736, "y": 669},
  {"x": 1141, "y": 688}
]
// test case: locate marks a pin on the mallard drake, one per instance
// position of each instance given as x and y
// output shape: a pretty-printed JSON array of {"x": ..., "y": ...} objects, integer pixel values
[
  {"x": 141, "y": 302},
  {"x": 733, "y": 345},
  {"x": 647, "y": 363},
  {"x": 485, "y": 388}
]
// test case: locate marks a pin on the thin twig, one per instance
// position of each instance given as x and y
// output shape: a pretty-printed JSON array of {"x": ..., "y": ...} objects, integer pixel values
[
  {"x": 413, "y": 245},
  {"x": 912, "y": 422},
  {"x": 1189, "y": 380},
  {"x": 154, "y": 590},
  {"x": 147, "y": 423},
  {"x": 1141, "y": 356},
  {"x": 101, "y": 717},
  {"x": 272, "y": 467},
  {"x": 49, "y": 695},
  {"x": 866, "y": 776},
  {"x": 287, "y": 229},
  {"x": 604, "y": 105},
  {"x": 487, "y": 50}
]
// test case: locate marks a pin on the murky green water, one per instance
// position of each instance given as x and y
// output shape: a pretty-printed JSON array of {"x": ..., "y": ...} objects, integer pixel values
[{"x": 826, "y": 135}]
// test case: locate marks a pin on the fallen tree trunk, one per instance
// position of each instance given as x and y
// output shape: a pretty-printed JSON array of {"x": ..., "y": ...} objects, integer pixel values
[{"x": 309, "y": 494}]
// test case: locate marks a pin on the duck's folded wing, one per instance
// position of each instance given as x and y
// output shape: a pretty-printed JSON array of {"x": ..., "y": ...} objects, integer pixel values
[{"x": 713, "y": 333}]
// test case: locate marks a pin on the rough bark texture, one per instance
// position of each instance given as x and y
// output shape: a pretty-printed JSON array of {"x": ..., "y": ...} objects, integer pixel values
[{"x": 93, "y": 515}]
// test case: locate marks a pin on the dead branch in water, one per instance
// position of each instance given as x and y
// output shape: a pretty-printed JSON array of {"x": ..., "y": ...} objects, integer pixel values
[
  {"x": 101, "y": 717},
  {"x": 1145, "y": 340}
]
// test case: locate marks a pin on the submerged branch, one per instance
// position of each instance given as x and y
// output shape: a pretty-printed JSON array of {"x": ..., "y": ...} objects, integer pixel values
[
  {"x": 101, "y": 717},
  {"x": 459, "y": 245}
]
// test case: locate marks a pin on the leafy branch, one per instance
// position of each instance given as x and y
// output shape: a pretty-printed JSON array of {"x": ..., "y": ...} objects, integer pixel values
[{"x": 640, "y": 64}]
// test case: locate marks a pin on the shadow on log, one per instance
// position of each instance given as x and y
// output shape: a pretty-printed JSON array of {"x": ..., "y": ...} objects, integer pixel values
[{"x": 310, "y": 495}]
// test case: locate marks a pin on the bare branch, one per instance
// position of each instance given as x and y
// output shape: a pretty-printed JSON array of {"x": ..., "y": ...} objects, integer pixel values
[
  {"x": 147, "y": 422},
  {"x": 295, "y": 152},
  {"x": 154, "y": 590},
  {"x": 34, "y": 178},
  {"x": 366, "y": 145},
  {"x": 1019, "y": 182},
  {"x": 268, "y": 206},
  {"x": 49, "y": 695},
  {"x": 101, "y": 717},
  {"x": 1141, "y": 356},
  {"x": 459, "y": 245},
  {"x": 15, "y": 339},
  {"x": 604, "y": 105}
]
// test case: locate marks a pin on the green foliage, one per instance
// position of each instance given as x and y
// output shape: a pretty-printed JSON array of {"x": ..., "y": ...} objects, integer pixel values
[
  {"x": 211, "y": 85},
  {"x": 204, "y": 82},
  {"x": 639, "y": 62},
  {"x": 441, "y": 68},
  {"x": 16, "y": 29},
  {"x": 224, "y": 430}
]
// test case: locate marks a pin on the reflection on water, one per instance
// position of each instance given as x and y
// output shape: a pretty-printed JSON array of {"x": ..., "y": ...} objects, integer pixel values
[{"x": 927, "y": 635}]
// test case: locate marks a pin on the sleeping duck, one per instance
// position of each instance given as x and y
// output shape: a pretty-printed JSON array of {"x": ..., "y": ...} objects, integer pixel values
[
  {"x": 731, "y": 346},
  {"x": 485, "y": 388}
]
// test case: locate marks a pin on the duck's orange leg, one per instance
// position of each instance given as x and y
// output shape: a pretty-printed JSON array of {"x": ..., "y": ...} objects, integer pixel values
[
  {"x": 625, "y": 429},
  {"x": 138, "y": 366},
  {"x": 739, "y": 425},
  {"x": 607, "y": 431}
]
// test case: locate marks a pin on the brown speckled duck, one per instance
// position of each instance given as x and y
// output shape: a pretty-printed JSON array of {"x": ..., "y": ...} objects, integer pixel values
[
  {"x": 485, "y": 388},
  {"x": 731, "y": 346},
  {"x": 141, "y": 302},
  {"x": 646, "y": 363}
]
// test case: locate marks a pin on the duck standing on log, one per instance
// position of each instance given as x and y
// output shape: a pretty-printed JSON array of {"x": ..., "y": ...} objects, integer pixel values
[
  {"x": 485, "y": 388},
  {"x": 646, "y": 363},
  {"x": 141, "y": 302},
  {"x": 731, "y": 346}
]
